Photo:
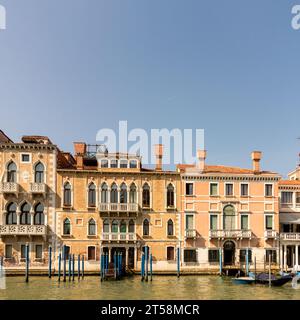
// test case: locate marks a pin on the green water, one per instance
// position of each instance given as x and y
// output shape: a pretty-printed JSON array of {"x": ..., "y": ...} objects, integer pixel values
[{"x": 162, "y": 287}]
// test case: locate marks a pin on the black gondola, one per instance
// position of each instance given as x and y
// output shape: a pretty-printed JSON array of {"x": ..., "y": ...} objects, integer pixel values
[{"x": 263, "y": 278}]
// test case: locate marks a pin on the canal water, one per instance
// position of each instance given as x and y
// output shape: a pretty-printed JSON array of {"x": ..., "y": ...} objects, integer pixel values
[{"x": 162, "y": 287}]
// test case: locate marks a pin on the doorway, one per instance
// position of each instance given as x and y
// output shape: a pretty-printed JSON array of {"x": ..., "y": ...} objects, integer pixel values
[{"x": 229, "y": 253}]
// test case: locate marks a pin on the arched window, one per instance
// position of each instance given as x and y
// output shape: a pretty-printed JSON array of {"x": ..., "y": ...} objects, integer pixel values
[
  {"x": 12, "y": 172},
  {"x": 67, "y": 194},
  {"x": 131, "y": 226},
  {"x": 170, "y": 227},
  {"x": 123, "y": 226},
  {"x": 104, "y": 193},
  {"x": 11, "y": 217},
  {"x": 114, "y": 226},
  {"x": 92, "y": 195},
  {"x": 133, "y": 164},
  {"x": 132, "y": 194},
  {"x": 146, "y": 229},
  {"x": 114, "y": 193},
  {"x": 229, "y": 218},
  {"x": 170, "y": 196},
  {"x": 39, "y": 217},
  {"x": 39, "y": 173},
  {"x": 92, "y": 227},
  {"x": 123, "y": 193},
  {"x": 25, "y": 214},
  {"x": 67, "y": 227},
  {"x": 146, "y": 195},
  {"x": 106, "y": 226}
]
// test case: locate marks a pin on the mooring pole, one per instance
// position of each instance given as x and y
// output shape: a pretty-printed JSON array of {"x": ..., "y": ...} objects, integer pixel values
[
  {"x": 220, "y": 261},
  {"x": 151, "y": 267},
  {"x": 269, "y": 269},
  {"x": 70, "y": 267},
  {"x": 50, "y": 261},
  {"x": 101, "y": 267},
  {"x": 27, "y": 263},
  {"x": 65, "y": 263},
  {"x": 59, "y": 266},
  {"x": 146, "y": 263},
  {"x": 78, "y": 269},
  {"x": 178, "y": 262},
  {"x": 142, "y": 266},
  {"x": 115, "y": 264},
  {"x": 82, "y": 266},
  {"x": 247, "y": 262},
  {"x": 73, "y": 267},
  {"x": 255, "y": 269}
]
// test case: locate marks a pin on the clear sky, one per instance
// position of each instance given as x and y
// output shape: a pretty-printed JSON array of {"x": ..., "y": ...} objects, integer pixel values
[{"x": 71, "y": 67}]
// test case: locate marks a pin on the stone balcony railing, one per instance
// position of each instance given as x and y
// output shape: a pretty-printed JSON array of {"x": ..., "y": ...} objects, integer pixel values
[
  {"x": 30, "y": 230},
  {"x": 37, "y": 188},
  {"x": 118, "y": 236},
  {"x": 271, "y": 234},
  {"x": 118, "y": 207},
  {"x": 9, "y": 187},
  {"x": 190, "y": 233},
  {"x": 235, "y": 234},
  {"x": 290, "y": 236}
]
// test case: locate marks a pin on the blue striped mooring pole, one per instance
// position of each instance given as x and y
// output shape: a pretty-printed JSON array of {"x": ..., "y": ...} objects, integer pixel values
[
  {"x": 178, "y": 262},
  {"x": 65, "y": 262},
  {"x": 59, "y": 266},
  {"x": 220, "y": 261},
  {"x": 73, "y": 267},
  {"x": 82, "y": 266},
  {"x": 78, "y": 269},
  {"x": 143, "y": 267},
  {"x": 50, "y": 262},
  {"x": 151, "y": 260}
]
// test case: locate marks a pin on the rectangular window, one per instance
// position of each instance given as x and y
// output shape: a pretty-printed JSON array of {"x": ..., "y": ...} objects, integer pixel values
[
  {"x": 213, "y": 189},
  {"x": 286, "y": 228},
  {"x": 133, "y": 164},
  {"x": 190, "y": 256},
  {"x": 23, "y": 251},
  {"x": 189, "y": 222},
  {"x": 189, "y": 189},
  {"x": 170, "y": 253},
  {"x": 213, "y": 255},
  {"x": 91, "y": 253},
  {"x": 8, "y": 251},
  {"x": 244, "y": 222},
  {"x": 213, "y": 222},
  {"x": 271, "y": 253},
  {"x": 268, "y": 190},
  {"x": 123, "y": 164},
  {"x": 114, "y": 163},
  {"x": 229, "y": 189},
  {"x": 269, "y": 222},
  {"x": 287, "y": 197},
  {"x": 66, "y": 251},
  {"x": 38, "y": 251},
  {"x": 104, "y": 163},
  {"x": 25, "y": 157},
  {"x": 243, "y": 253},
  {"x": 244, "y": 189}
]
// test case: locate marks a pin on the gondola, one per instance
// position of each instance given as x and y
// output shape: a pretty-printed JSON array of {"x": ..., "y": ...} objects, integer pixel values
[{"x": 263, "y": 278}]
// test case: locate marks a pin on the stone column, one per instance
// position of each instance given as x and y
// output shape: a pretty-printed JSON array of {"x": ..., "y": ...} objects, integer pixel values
[
  {"x": 18, "y": 217},
  {"x": 294, "y": 200},
  {"x": 109, "y": 254},
  {"x": 284, "y": 259}
]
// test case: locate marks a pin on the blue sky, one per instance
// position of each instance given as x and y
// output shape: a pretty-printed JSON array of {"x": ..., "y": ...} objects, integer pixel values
[{"x": 71, "y": 67}]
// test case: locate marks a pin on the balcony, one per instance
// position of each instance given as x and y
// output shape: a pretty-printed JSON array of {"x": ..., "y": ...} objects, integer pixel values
[
  {"x": 118, "y": 207},
  {"x": 290, "y": 236},
  {"x": 271, "y": 234},
  {"x": 190, "y": 233},
  {"x": 26, "y": 230},
  {"x": 235, "y": 234},
  {"x": 9, "y": 187},
  {"x": 118, "y": 236},
  {"x": 38, "y": 188}
]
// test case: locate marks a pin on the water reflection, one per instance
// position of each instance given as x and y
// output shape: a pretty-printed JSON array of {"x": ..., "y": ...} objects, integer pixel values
[{"x": 162, "y": 287}]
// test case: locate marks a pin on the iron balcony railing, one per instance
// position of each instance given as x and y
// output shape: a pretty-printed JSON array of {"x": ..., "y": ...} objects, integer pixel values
[
  {"x": 23, "y": 230},
  {"x": 118, "y": 207},
  {"x": 118, "y": 236},
  {"x": 238, "y": 234},
  {"x": 293, "y": 236},
  {"x": 9, "y": 187}
]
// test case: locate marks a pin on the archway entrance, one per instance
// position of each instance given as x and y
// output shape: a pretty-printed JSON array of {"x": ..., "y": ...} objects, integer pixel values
[{"x": 229, "y": 253}]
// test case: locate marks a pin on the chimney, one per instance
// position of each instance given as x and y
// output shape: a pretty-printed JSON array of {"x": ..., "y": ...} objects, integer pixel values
[
  {"x": 159, "y": 150},
  {"x": 201, "y": 155},
  {"x": 256, "y": 157},
  {"x": 80, "y": 150}
]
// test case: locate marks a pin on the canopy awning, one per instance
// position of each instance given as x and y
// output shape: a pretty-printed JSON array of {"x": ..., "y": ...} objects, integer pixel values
[{"x": 289, "y": 218}]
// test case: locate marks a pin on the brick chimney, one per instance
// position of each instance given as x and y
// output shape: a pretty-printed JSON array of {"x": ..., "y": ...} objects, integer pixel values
[
  {"x": 256, "y": 157},
  {"x": 80, "y": 150},
  {"x": 201, "y": 156},
  {"x": 159, "y": 150}
]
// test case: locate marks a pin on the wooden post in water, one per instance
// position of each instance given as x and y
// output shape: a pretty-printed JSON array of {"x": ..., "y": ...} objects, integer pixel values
[
  {"x": 115, "y": 265},
  {"x": 178, "y": 262},
  {"x": 78, "y": 269},
  {"x": 255, "y": 269},
  {"x": 265, "y": 257},
  {"x": 269, "y": 269},
  {"x": 142, "y": 266},
  {"x": 27, "y": 263},
  {"x": 101, "y": 266},
  {"x": 65, "y": 263},
  {"x": 73, "y": 267},
  {"x": 70, "y": 267},
  {"x": 59, "y": 266},
  {"x": 50, "y": 262},
  {"x": 146, "y": 263},
  {"x": 220, "y": 261},
  {"x": 247, "y": 262},
  {"x": 82, "y": 266},
  {"x": 151, "y": 261}
]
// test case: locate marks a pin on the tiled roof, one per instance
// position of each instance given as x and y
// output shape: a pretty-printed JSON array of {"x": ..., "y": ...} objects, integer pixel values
[
  {"x": 289, "y": 182},
  {"x": 4, "y": 138}
]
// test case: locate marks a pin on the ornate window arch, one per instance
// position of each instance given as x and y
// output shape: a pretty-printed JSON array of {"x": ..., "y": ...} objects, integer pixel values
[
  {"x": 25, "y": 217},
  {"x": 229, "y": 217},
  {"x": 123, "y": 193},
  {"x": 170, "y": 195},
  {"x": 146, "y": 227},
  {"x": 131, "y": 226},
  {"x": 92, "y": 195},
  {"x": 104, "y": 193},
  {"x": 67, "y": 194},
  {"x": 11, "y": 216},
  {"x": 115, "y": 226},
  {"x": 146, "y": 195},
  {"x": 92, "y": 227},
  {"x": 132, "y": 193},
  {"x": 39, "y": 216},
  {"x": 11, "y": 172},
  {"x": 106, "y": 226},
  {"x": 170, "y": 227},
  {"x": 67, "y": 227},
  {"x": 123, "y": 226},
  {"x": 114, "y": 193},
  {"x": 39, "y": 171}
]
